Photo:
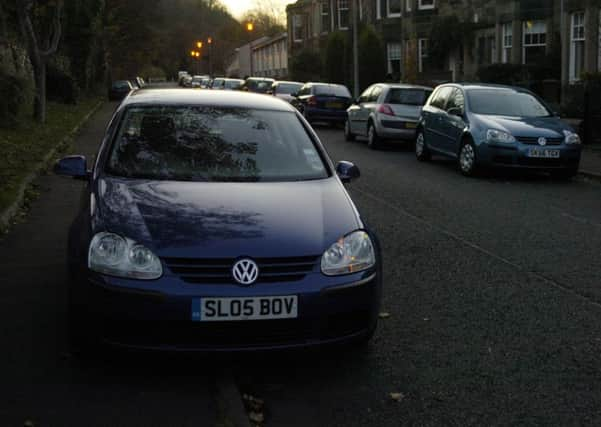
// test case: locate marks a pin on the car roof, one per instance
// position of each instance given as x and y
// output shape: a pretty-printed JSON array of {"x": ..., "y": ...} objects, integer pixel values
[
  {"x": 289, "y": 82},
  {"x": 404, "y": 86},
  {"x": 471, "y": 85},
  {"x": 267, "y": 79},
  {"x": 149, "y": 97},
  {"x": 325, "y": 84}
]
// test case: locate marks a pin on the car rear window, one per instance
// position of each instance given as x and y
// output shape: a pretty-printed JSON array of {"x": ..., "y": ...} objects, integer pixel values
[
  {"x": 233, "y": 84},
  {"x": 407, "y": 96},
  {"x": 288, "y": 88},
  {"x": 331, "y": 90},
  {"x": 197, "y": 143},
  {"x": 260, "y": 85},
  {"x": 502, "y": 102}
]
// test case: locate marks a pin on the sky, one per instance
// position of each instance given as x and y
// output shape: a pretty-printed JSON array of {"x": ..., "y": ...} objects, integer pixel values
[{"x": 238, "y": 7}]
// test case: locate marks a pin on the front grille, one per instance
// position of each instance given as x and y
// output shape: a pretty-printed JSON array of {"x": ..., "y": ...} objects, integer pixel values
[
  {"x": 533, "y": 140},
  {"x": 219, "y": 270}
]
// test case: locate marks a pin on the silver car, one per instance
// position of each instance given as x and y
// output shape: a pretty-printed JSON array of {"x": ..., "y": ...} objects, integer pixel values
[{"x": 386, "y": 112}]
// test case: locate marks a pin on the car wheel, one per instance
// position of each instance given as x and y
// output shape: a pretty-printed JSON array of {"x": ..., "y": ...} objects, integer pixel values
[
  {"x": 565, "y": 174},
  {"x": 421, "y": 148},
  {"x": 373, "y": 140},
  {"x": 467, "y": 158},
  {"x": 348, "y": 135}
]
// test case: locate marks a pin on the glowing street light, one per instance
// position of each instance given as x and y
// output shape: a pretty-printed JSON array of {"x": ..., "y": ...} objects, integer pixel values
[
  {"x": 250, "y": 26},
  {"x": 210, "y": 40},
  {"x": 199, "y": 44}
]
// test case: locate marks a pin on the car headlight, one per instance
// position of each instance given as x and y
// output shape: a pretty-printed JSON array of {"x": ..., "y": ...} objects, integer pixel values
[
  {"x": 122, "y": 257},
  {"x": 571, "y": 138},
  {"x": 350, "y": 254},
  {"x": 494, "y": 135}
]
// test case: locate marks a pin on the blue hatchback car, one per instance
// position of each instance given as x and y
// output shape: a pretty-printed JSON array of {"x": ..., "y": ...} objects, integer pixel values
[
  {"x": 212, "y": 221},
  {"x": 496, "y": 126}
]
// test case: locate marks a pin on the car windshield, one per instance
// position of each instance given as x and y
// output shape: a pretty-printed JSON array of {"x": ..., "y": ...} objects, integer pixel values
[
  {"x": 197, "y": 143},
  {"x": 288, "y": 88},
  {"x": 499, "y": 102},
  {"x": 331, "y": 90},
  {"x": 121, "y": 84},
  {"x": 408, "y": 96}
]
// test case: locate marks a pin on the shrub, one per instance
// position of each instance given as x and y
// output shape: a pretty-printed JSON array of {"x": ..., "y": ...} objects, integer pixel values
[
  {"x": 337, "y": 64},
  {"x": 305, "y": 66},
  {"x": 61, "y": 86},
  {"x": 372, "y": 60},
  {"x": 13, "y": 94},
  {"x": 507, "y": 74}
]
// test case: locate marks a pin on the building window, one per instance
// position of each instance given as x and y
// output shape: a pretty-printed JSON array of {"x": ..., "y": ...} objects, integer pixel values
[
  {"x": 297, "y": 28},
  {"x": 343, "y": 14},
  {"x": 578, "y": 38},
  {"x": 534, "y": 42},
  {"x": 422, "y": 53},
  {"x": 425, "y": 4},
  {"x": 325, "y": 16},
  {"x": 507, "y": 34},
  {"x": 408, "y": 5},
  {"x": 393, "y": 53},
  {"x": 393, "y": 8}
]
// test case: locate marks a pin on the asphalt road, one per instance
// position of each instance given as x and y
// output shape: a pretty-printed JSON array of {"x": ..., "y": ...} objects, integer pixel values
[{"x": 493, "y": 286}]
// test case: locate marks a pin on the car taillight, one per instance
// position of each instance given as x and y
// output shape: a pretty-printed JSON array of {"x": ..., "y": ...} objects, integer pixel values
[
  {"x": 311, "y": 101},
  {"x": 385, "y": 109}
]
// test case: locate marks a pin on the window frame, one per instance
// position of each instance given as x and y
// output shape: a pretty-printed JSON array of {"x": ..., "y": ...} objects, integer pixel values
[
  {"x": 325, "y": 4},
  {"x": 295, "y": 39},
  {"x": 525, "y": 33},
  {"x": 422, "y": 53},
  {"x": 394, "y": 15},
  {"x": 339, "y": 9},
  {"x": 573, "y": 77},
  {"x": 422, "y": 6},
  {"x": 506, "y": 42},
  {"x": 389, "y": 59}
]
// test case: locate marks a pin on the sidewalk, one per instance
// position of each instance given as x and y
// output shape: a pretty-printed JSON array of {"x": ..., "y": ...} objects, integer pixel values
[{"x": 590, "y": 163}]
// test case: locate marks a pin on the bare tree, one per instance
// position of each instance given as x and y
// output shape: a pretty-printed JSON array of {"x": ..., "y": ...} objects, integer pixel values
[{"x": 42, "y": 38}]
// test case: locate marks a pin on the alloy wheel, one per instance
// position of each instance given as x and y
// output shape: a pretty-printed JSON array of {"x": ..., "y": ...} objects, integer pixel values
[{"x": 467, "y": 158}]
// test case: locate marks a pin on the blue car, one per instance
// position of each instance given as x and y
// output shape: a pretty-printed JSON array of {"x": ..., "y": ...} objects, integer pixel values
[
  {"x": 323, "y": 102},
  {"x": 215, "y": 221},
  {"x": 496, "y": 126}
]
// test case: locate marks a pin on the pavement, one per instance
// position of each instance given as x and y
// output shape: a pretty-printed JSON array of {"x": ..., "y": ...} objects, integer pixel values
[
  {"x": 492, "y": 289},
  {"x": 590, "y": 163}
]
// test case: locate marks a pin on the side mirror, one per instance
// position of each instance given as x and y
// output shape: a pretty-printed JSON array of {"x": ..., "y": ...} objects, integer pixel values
[
  {"x": 347, "y": 171},
  {"x": 73, "y": 166},
  {"x": 455, "y": 111}
]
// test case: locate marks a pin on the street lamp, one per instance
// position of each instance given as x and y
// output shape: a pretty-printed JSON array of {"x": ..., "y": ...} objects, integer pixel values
[
  {"x": 199, "y": 45},
  {"x": 250, "y": 27}
]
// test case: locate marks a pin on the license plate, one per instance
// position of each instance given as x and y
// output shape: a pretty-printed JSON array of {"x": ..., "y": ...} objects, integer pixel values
[
  {"x": 410, "y": 125},
  {"x": 543, "y": 153},
  {"x": 244, "y": 308},
  {"x": 334, "y": 105}
]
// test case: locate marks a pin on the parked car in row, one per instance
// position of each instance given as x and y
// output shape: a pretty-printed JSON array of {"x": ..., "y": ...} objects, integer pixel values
[
  {"x": 120, "y": 89},
  {"x": 257, "y": 84},
  {"x": 323, "y": 102},
  {"x": 242, "y": 238},
  {"x": 285, "y": 90},
  {"x": 496, "y": 126},
  {"x": 386, "y": 112}
]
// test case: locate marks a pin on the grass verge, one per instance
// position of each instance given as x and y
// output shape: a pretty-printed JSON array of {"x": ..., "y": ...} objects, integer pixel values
[{"x": 22, "y": 149}]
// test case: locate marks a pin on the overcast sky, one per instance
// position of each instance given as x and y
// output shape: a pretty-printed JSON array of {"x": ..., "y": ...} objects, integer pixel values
[{"x": 238, "y": 7}]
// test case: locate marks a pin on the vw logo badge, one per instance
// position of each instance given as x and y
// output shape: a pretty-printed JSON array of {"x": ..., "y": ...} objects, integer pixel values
[
  {"x": 542, "y": 141},
  {"x": 245, "y": 271}
]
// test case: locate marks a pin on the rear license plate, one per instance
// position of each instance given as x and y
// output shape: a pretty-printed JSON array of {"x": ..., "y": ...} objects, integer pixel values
[
  {"x": 543, "y": 153},
  {"x": 247, "y": 308},
  {"x": 410, "y": 125},
  {"x": 334, "y": 105}
]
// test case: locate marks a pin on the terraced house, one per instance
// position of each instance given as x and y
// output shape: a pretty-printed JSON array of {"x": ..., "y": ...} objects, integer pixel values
[{"x": 557, "y": 42}]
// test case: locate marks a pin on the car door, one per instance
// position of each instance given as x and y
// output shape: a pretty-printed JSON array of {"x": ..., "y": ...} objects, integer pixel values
[
  {"x": 356, "y": 121},
  {"x": 453, "y": 122},
  {"x": 369, "y": 107},
  {"x": 432, "y": 118}
]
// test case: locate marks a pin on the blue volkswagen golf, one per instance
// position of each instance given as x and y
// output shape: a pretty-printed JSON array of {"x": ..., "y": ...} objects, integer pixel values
[
  {"x": 496, "y": 126},
  {"x": 215, "y": 221}
]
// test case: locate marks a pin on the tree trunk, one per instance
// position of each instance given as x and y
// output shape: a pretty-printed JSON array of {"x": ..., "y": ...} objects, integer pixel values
[{"x": 39, "y": 103}]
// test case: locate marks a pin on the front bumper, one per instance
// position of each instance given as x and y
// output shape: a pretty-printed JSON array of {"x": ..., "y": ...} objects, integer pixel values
[
  {"x": 157, "y": 315},
  {"x": 516, "y": 156}
]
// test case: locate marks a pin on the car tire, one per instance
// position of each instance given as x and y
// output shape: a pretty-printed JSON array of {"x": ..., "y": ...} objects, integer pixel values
[
  {"x": 467, "y": 160},
  {"x": 348, "y": 135},
  {"x": 422, "y": 153},
  {"x": 373, "y": 140},
  {"x": 565, "y": 174}
]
